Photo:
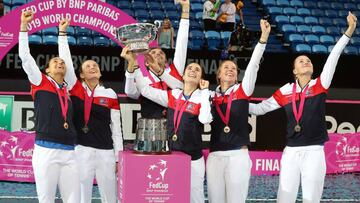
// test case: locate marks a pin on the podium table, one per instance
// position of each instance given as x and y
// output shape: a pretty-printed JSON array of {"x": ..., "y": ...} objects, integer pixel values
[{"x": 153, "y": 178}]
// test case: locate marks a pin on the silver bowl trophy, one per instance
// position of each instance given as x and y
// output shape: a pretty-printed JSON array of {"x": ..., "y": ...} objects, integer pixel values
[
  {"x": 137, "y": 36},
  {"x": 151, "y": 134},
  {"x": 151, "y": 137}
]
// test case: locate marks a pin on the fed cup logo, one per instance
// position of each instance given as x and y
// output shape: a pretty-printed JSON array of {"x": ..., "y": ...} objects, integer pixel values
[
  {"x": 156, "y": 175},
  {"x": 9, "y": 147},
  {"x": 16, "y": 149},
  {"x": 344, "y": 149}
]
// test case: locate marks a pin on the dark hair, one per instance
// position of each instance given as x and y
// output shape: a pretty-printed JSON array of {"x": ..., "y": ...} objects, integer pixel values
[
  {"x": 293, "y": 65},
  {"x": 47, "y": 64},
  {"x": 157, "y": 47},
  {"x": 202, "y": 70},
  {"x": 81, "y": 70}
]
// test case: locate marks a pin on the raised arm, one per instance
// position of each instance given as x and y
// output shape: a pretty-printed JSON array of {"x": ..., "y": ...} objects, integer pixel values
[
  {"x": 248, "y": 82},
  {"x": 331, "y": 62},
  {"x": 205, "y": 116},
  {"x": 130, "y": 74},
  {"x": 170, "y": 75},
  {"x": 277, "y": 100},
  {"x": 28, "y": 63},
  {"x": 64, "y": 53},
  {"x": 263, "y": 107},
  {"x": 182, "y": 38},
  {"x": 156, "y": 95},
  {"x": 173, "y": 80}
]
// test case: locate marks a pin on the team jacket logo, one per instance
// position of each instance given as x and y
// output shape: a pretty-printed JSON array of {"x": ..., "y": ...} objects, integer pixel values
[
  {"x": 103, "y": 101},
  {"x": 190, "y": 107}
]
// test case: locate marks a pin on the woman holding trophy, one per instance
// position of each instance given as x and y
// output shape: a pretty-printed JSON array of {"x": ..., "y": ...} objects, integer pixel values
[
  {"x": 167, "y": 76},
  {"x": 97, "y": 122}
]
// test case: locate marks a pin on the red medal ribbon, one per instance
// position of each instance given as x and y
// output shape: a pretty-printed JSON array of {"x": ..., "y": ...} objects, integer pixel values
[
  {"x": 298, "y": 114},
  {"x": 63, "y": 103},
  {"x": 178, "y": 112},
  {"x": 225, "y": 118},
  {"x": 87, "y": 105}
]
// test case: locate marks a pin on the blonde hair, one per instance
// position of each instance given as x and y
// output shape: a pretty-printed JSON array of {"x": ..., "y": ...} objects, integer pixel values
[{"x": 219, "y": 69}]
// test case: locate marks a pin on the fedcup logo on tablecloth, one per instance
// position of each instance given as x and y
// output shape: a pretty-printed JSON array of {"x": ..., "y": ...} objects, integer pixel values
[
  {"x": 155, "y": 175},
  {"x": 10, "y": 149},
  {"x": 342, "y": 153},
  {"x": 346, "y": 150}
]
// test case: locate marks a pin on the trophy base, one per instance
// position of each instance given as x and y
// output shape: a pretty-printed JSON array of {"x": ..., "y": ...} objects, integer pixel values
[
  {"x": 138, "y": 47},
  {"x": 151, "y": 147}
]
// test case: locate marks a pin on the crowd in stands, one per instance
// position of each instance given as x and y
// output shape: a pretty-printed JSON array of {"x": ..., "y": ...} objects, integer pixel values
[{"x": 300, "y": 26}]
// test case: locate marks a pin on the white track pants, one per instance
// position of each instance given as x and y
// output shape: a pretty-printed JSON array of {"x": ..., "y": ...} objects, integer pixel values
[
  {"x": 197, "y": 181},
  {"x": 228, "y": 176},
  {"x": 97, "y": 163},
  {"x": 54, "y": 167},
  {"x": 306, "y": 164}
]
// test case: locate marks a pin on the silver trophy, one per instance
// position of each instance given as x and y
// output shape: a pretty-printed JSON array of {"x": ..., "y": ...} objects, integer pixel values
[
  {"x": 137, "y": 36},
  {"x": 151, "y": 137}
]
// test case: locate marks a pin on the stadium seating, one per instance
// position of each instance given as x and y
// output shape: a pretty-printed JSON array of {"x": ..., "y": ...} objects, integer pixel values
[
  {"x": 316, "y": 26},
  {"x": 101, "y": 41},
  {"x": 50, "y": 39},
  {"x": 327, "y": 39},
  {"x": 319, "y": 49},
  {"x": 303, "y": 12},
  {"x": 225, "y": 37},
  {"x": 311, "y": 20},
  {"x": 18, "y": 2},
  {"x": 213, "y": 39},
  {"x": 296, "y": 3},
  {"x": 351, "y": 50},
  {"x": 84, "y": 41},
  {"x": 35, "y": 39},
  {"x": 303, "y": 48},
  {"x": 288, "y": 28},
  {"x": 197, "y": 38},
  {"x": 50, "y": 31},
  {"x": 71, "y": 40},
  {"x": 82, "y": 31},
  {"x": 296, "y": 38}
]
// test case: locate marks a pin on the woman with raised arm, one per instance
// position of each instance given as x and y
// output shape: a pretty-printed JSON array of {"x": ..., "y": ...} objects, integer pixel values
[
  {"x": 166, "y": 76},
  {"x": 303, "y": 158},
  {"x": 97, "y": 122},
  {"x": 187, "y": 111},
  {"x": 54, "y": 156},
  {"x": 228, "y": 166}
]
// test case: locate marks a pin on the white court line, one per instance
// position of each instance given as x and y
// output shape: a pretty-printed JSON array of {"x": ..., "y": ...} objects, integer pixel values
[
  {"x": 29, "y": 197},
  {"x": 323, "y": 200},
  {"x": 98, "y": 198}
]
